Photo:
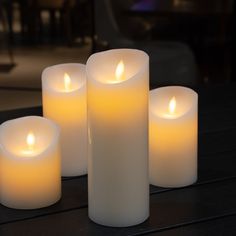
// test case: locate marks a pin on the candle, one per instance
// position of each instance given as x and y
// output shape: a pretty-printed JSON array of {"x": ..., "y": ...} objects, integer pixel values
[
  {"x": 118, "y": 137},
  {"x": 64, "y": 101},
  {"x": 173, "y": 136},
  {"x": 30, "y": 170}
]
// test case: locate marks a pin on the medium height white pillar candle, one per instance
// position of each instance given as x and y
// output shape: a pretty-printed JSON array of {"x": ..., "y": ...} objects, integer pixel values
[
  {"x": 118, "y": 137},
  {"x": 30, "y": 163},
  {"x": 64, "y": 101},
  {"x": 173, "y": 133}
]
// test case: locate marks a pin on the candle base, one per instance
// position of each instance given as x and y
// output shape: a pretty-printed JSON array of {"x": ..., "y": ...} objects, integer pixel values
[
  {"x": 27, "y": 206},
  {"x": 120, "y": 224},
  {"x": 176, "y": 184},
  {"x": 75, "y": 173}
]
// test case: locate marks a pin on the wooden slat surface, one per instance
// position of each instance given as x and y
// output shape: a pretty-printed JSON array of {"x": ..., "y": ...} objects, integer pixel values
[
  {"x": 224, "y": 225},
  {"x": 205, "y": 208},
  {"x": 167, "y": 210}
]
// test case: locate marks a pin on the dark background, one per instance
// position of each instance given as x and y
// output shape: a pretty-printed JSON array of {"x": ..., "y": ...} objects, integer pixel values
[{"x": 190, "y": 42}]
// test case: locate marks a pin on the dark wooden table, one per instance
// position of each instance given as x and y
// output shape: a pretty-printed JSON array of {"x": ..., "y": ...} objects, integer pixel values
[{"x": 205, "y": 208}]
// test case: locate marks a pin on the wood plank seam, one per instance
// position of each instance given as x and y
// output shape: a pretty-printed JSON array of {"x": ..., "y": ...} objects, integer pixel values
[
  {"x": 207, "y": 219},
  {"x": 85, "y": 205},
  {"x": 194, "y": 185}
]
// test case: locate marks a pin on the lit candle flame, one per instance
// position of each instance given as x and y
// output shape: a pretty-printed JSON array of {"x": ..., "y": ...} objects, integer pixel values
[
  {"x": 172, "y": 105},
  {"x": 30, "y": 140},
  {"x": 67, "y": 82},
  {"x": 120, "y": 71}
]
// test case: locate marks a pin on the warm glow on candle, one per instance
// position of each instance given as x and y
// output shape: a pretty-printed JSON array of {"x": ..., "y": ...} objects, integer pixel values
[
  {"x": 120, "y": 71},
  {"x": 67, "y": 82},
  {"x": 30, "y": 163},
  {"x": 65, "y": 103},
  {"x": 117, "y": 94},
  {"x": 173, "y": 136},
  {"x": 172, "y": 106},
  {"x": 30, "y": 140}
]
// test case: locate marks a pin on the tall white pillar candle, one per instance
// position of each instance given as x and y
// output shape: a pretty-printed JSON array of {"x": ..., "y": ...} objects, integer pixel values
[
  {"x": 30, "y": 167},
  {"x": 173, "y": 133},
  {"x": 118, "y": 137},
  {"x": 64, "y": 101}
]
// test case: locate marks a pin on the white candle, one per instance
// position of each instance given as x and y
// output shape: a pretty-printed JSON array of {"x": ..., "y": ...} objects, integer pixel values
[
  {"x": 173, "y": 136},
  {"x": 64, "y": 101},
  {"x": 118, "y": 137},
  {"x": 30, "y": 167}
]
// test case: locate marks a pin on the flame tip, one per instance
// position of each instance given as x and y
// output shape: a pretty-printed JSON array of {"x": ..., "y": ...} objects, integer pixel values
[
  {"x": 30, "y": 139},
  {"x": 120, "y": 70},
  {"x": 172, "y": 105},
  {"x": 67, "y": 81}
]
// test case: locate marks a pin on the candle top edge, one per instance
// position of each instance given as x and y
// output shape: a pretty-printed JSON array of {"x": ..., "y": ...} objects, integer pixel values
[
  {"x": 6, "y": 128},
  {"x": 64, "y": 78},
  {"x": 104, "y": 67},
  {"x": 163, "y": 99}
]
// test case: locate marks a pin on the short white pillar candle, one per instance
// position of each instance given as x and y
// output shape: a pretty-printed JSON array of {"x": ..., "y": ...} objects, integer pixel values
[
  {"x": 118, "y": 137},
  {"x": 65, "y": 102},
  {"x": 30, "y": 167},
  {"x": 173, "y": 134}
]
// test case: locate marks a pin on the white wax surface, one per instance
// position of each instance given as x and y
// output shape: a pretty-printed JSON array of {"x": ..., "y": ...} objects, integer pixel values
[
  {"x": 68, "y": 108},
  {"x": 29, "y": 178},
  {"x": 173, "y": 137},
  {"x": 118, "y": 138}
]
